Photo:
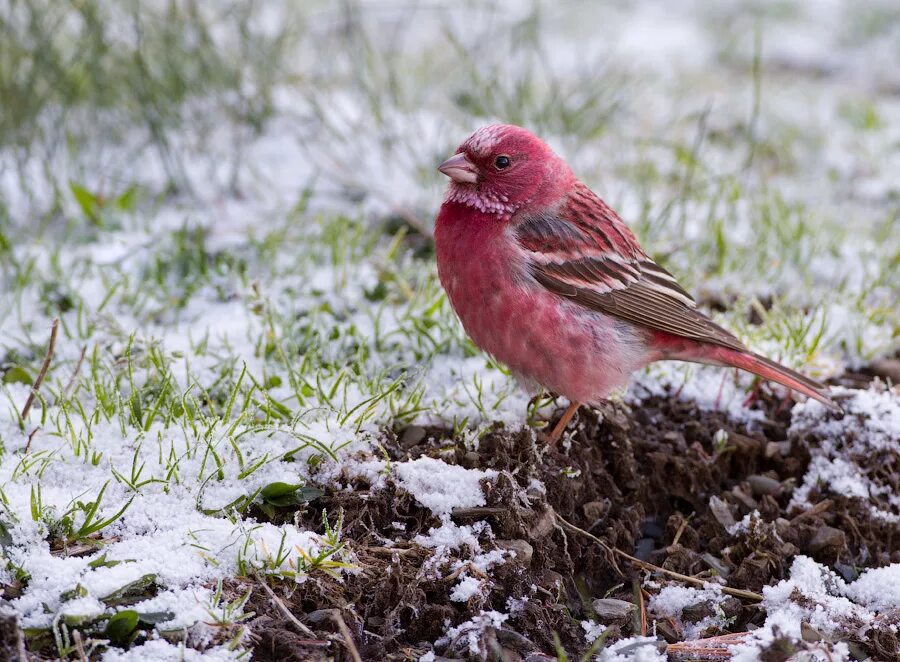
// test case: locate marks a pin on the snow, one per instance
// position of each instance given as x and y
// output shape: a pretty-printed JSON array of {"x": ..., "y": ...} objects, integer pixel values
[
  {"x": 877, "y": 589},
  {"x": 712, "y": 389},
  {"x": 467, "y": 588},
  {"x": 872, "y": 419},
  {"x": 159, "y": 650},
  {"x": 844, "y": 461},
  {"x": 442, "y": 487},
  {"x": 451, "y": 536},
  {"x": 632, "y": 649},
  {"x": 469, "y": 632},
  {"x": 672, "y": 600},
  {"x": 815, "y": 595},
  {"x": 747, "y": 521},
  {"x": 592, "y": 630},
  {"x": 161, "y": 533}
]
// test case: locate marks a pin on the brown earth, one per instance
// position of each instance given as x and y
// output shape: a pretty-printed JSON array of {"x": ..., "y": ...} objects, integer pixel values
[{"x": 651, "y": 481}]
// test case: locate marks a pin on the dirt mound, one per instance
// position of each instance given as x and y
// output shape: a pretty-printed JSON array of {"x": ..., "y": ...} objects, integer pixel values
[{"x": 685, "y": 490}]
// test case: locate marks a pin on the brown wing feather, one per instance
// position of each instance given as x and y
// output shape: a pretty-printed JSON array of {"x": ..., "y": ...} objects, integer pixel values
[
  {"x": 645, "y": 305},
  {"x": 585, "y": 252}
]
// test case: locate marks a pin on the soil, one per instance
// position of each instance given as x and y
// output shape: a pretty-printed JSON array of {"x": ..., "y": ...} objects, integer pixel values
[{"x": 657, "y": 482}]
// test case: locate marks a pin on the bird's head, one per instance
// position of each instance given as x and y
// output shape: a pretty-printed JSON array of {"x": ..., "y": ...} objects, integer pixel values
[{"x": 501, "y": 168}]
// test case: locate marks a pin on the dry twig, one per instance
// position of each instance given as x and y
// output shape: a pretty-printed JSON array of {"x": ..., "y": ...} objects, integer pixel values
[
  {"x": 736, "y": 592},
  {"x": 68, "y": 389},
  {"x": 639, "y": 616},
  {"x": 712, "y": 648},
  {"x": 284, "y": 610},
  {"x": 347, "y": 636},
  {"x": 48, "y": 358},
  {"x": 680, "y": 530},
  {"x": 30, "y": 437},
  {"x": 79, "y": 646}
]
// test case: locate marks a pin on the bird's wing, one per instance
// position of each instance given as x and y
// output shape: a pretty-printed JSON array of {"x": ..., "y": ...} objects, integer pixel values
[{"x": 585, "y": 252}]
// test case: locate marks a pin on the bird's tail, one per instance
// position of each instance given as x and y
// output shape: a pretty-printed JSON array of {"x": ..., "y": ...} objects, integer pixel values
[{"x": 767, "y": 369}]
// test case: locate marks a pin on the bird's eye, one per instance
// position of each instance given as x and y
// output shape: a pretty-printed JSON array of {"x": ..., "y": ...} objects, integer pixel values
[{"x": 502, "y": 162}]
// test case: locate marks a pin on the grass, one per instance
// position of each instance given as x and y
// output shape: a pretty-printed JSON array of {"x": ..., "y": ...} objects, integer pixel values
[{"x": 242, "y": 333}]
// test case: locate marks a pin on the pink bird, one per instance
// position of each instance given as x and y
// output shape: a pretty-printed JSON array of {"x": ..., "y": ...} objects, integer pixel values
[{"x": 549, "y": 280}]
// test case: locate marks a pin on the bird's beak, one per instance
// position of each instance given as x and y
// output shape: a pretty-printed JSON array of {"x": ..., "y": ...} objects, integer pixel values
[{"x": 460, "y": 169}]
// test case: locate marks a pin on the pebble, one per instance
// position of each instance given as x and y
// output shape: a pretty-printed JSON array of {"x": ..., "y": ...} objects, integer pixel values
[
  {"x": 825, "y": 537},
  {"x": 764, "y": 485},
  {"x": 412, "y": 436},
  {"x": 523, "y": 550},
  {"x": 721, "y": 512},
  {"x": 610, "y": 610},
  {"x": 887, "y": 368}
]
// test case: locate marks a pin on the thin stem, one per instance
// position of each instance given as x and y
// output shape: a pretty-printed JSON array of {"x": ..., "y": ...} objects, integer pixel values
[
  {"x": 736, "y": 592},
  {"x": 48, "y": 358}
]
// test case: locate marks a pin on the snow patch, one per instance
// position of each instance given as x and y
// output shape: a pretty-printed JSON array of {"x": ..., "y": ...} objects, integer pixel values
[{"x": 441, "y": 486}]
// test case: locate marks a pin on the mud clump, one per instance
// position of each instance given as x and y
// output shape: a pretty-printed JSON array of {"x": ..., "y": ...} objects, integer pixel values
[{"x": 686, "y": 490}]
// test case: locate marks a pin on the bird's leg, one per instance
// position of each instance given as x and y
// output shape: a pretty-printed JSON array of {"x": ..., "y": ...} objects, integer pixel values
[{"x": 561, "y": 425}]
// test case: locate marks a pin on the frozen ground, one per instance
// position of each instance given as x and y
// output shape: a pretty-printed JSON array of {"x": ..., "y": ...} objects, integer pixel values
[{"x": 248, "y": 304}]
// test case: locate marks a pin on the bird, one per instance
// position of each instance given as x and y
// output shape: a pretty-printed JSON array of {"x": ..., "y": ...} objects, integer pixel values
[{"x": 549, "y": 280}]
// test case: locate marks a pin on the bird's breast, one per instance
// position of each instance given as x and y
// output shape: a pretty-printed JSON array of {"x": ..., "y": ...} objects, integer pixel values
[{"x": 571, "y": 350}]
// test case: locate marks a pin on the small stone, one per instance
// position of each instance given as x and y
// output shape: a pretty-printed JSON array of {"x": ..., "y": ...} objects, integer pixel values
[
  {"x": 746, "y": 500},
  {"x": 540, "y": 657},
  {"x": 789, "y": 550},
  {"x": 665, "y": 630},
  {"x": 514, "y": 640},
  {"x": 472, "y": 460},
  {"x": 826, "y": 537},
  {"x": 721, "y": 512},
  {"x": 848, "y": 572},
  {"x": 778, "y": 449},
  {"x": 321, "y": 617},
  {"x": 809, "y": 633},
  {"x": 610, "y": 610},
  {"x": 543, "y": 524},
  {"x": 698, "y": 611},
  {"x": 762, "y": 485},
  {"x": 412, "y": 436},
  {"x": 717, "y": 564},
  {"x": 887, "y": 368},
  {"x": 522, "y": 549}
]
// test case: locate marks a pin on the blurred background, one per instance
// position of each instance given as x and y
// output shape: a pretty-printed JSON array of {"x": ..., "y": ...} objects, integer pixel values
[{"x": 753, "y": 146}]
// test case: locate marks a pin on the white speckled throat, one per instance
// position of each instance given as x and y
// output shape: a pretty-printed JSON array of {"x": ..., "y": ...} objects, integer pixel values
[{"x": 482, "y": 200}]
